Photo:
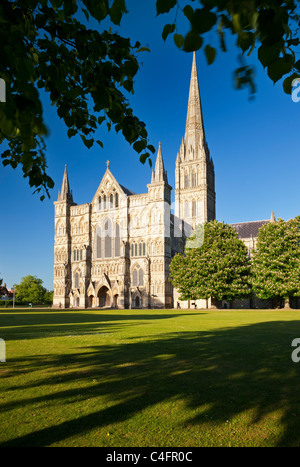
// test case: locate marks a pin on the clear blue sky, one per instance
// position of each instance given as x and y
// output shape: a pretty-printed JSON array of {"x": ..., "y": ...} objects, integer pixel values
[{"x": 254, "y": 145}]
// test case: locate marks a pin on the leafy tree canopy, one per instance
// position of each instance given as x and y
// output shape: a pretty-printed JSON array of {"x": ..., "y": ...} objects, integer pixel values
[
  {"x": 276, "y": 262},
  {"x": 48, "y": 298},
  {"x": 220, "y": 268},
  {"x": 45, "y": 46},
  {"x": 30, "y": 290},
  {"x": 272, "y": 28}
]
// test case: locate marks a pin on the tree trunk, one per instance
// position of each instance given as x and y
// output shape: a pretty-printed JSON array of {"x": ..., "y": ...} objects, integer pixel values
[{"x": 287, "y": 303}]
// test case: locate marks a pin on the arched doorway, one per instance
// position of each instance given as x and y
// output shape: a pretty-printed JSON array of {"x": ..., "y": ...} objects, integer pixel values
[
  {"x": 115, "y": 301},
  {"x": 137, "y": 302},
  {"x": 90, "y": 300},
  {"x": 104, "y": 297}
]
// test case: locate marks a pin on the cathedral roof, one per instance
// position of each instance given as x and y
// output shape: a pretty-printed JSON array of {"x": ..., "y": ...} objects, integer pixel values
[
  {"x": 127, "y": 191},
  {"x": 249, "y": 229}
]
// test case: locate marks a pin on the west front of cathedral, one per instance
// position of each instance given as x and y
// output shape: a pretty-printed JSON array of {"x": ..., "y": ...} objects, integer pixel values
[{"x": 115, "y": 251}]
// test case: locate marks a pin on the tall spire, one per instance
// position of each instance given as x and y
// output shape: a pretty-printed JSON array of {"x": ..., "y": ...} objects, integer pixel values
[
  {"x": 65, "y": 194},
  {"x": 159, "y": 174},
  {"x": 194, "y": 130}
]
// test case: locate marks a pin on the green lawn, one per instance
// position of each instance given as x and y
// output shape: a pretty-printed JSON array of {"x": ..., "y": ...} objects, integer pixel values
[{"x": 149, "y": 378}]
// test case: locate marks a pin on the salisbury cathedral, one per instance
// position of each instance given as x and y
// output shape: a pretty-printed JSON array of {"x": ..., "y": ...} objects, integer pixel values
[{"x": 115, "y": 251}]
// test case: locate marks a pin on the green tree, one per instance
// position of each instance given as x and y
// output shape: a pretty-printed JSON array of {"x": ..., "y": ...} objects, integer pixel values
[
  {"x": 276, "y": 261},
  {"x": 219, "y": 269},
  {"x": 30, "y": 290},
  {"x": 48, "y": 298},
  {"x": 45, "y": 46},
  {"x": 271, "y": 28}
]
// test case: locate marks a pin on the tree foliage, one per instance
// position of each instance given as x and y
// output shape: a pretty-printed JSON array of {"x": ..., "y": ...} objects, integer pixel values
[
  {"x": 220, "y": 268},
  {"x": 48, "y": 298},
  {"x": 86, "y": 74},
  {"x": 276, "y": 262},
  {"x": 30, "y": 290},
  {"x": 272, "y": 28}
]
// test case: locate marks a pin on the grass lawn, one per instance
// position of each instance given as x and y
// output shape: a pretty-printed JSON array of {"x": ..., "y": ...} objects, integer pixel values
[{"x": 149, "y": 378}]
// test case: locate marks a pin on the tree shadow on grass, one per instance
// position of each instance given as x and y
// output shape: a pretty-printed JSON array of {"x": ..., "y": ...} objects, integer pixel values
[
  {"x": 227, "y": 372},
  {"x": 38, "y": 325}
]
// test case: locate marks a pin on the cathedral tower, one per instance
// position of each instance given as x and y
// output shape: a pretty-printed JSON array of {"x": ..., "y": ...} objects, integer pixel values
[
  {"x": 194, "y": 172},
  {"x": 62, "y": 246},
  {"x": 159, "y": 208}
]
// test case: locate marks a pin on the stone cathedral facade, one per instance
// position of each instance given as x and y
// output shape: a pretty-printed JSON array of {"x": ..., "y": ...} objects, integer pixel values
[{"x": 115, "y": 250}]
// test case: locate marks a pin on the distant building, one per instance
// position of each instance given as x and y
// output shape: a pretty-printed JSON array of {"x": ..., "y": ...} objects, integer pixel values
[
  {"x": 248, "y": 231},
  {"x": 5, "y": 294}
]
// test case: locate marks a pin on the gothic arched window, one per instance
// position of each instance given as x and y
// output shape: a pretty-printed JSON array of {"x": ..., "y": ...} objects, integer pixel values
[
  {"x": 76, "y": 280},
  {"x": 117, "y": 240},
  {"x": 107, "y": 239},
  {"x": 98, "y": 242},
  {"x": 186, "y": 209},
  {"x": 137, "y": 276},
  {"x": 141, "y": 277},
  {"x": 194, "y": 208}
]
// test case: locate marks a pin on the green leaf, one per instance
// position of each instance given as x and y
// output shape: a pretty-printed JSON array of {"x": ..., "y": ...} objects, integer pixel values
[
  {"x": 268, "y": 54},
  {"x": 279, "y": 68},
  {"x": 70, "y": 8},
  {"x": 163, "y": 6},
  {"x": 297, "y": 65},
  {"x": 151, "y": 148},
  {"x": 245, "y": 40},
  {"x": 139, "y": 146},
  {"x": 188, "y": 12},
  {"x": 144, "y": 49},
  {"x": 71, "y": 132},
  {"x": 116, "y": 11},
  {"x": 210, "y": 53},
  {"x": 178, "y": 39},
  {"x": 88, "y": 142},
  {"x": 144, "y": 157},
  {"x": 168, "y": 29},
  {"x": 192, "y": 42},
  {"x": 203, "y": 20}
]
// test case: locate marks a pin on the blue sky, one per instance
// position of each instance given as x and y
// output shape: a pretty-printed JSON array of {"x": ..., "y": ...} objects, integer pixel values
[{"x": 254, "y": 146}]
